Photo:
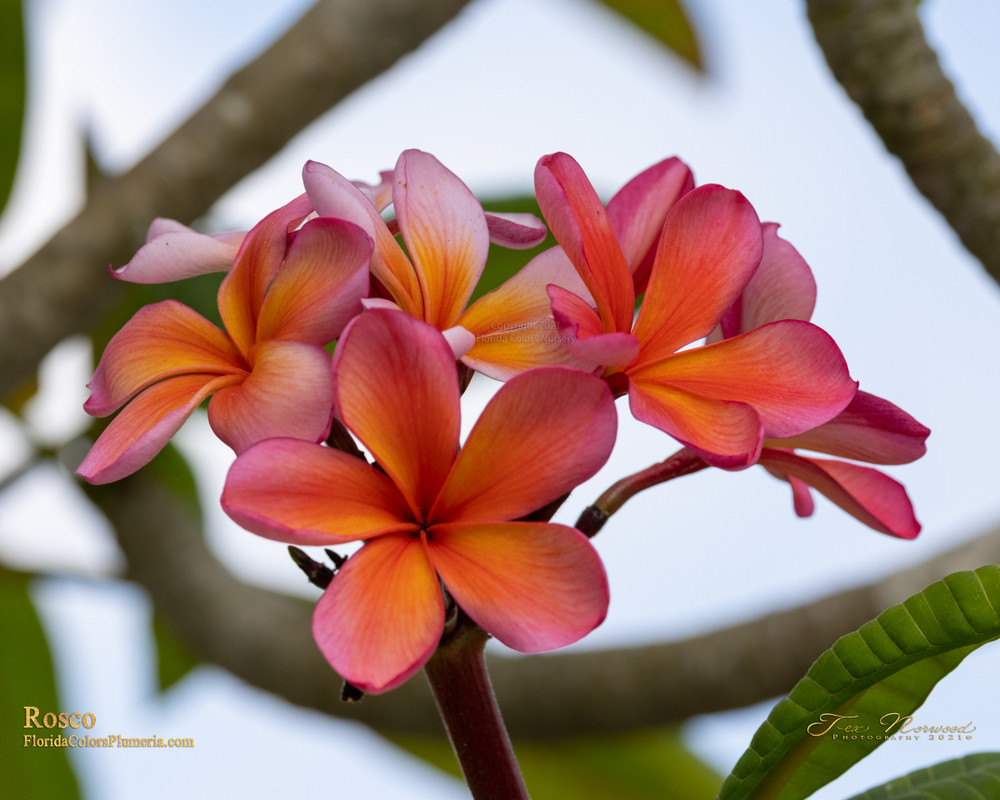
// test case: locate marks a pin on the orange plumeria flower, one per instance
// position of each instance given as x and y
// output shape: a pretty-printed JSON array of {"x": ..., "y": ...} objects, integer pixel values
[
  {"x": 870, "y": 429},
  {"x": 720, "y": 399},
  {"x": 290, "y": 292},
  {"x": 447, "y": 234},
  {"x": 431, "y": 514}
]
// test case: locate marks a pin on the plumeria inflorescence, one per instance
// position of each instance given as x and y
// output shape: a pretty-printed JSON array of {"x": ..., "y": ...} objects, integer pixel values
[{"x": 349, "y": 326}]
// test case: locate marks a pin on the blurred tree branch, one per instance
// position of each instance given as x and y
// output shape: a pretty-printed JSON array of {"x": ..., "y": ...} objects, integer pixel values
[
  {"x": 264, "y": 638},
  {"x": 336, "y": 47},
  {"x": 877, "y": 50}
]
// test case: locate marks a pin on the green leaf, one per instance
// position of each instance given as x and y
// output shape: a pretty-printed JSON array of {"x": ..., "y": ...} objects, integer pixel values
[
  {"x": 860, "y": 692},
  {"x": 11, "y": 92},
  {"x": 504, "y": 262},
  {"x": 174, "y": 659},
  {"x": 648, "y": 765},
  {"x": 968, "y": 778},
  {"x": 666, "y": 21},
  {"x": 27, "y": 679}
]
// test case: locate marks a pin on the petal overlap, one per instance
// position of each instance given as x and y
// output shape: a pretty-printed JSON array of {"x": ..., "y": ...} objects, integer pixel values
[
  {"x": 320, "y": 496},
  {"x": 535, "y": 586},
  {"x": 381, "y": 617}
]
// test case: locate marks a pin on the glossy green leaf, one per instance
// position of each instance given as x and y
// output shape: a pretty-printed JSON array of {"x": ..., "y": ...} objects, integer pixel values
[
  {"x": 972, "y": 777},
  {"x": 667, "y": 21},
  {"x": 860, "y": 692},
  {"x": 27, "y": 679},
  {"x": 648, "y": 765},
  {"x": 11, "y": 92}
]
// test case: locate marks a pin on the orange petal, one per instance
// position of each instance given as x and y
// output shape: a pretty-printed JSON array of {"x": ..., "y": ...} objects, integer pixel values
[
  {"x": 543, "y": 433},
  {"x": 241, "y": 294},
  {"x": 513, "y": 324},
  {"x": 725, "y": 434},
  {"x": 146, "y": 424},
  {"x": 162, "y": 340},
  {"x": 535, "y": 586},
  {"x": 710, "y": 247},
  {"x": 580, "y": 326},
  {"x": 269, "y": 404},
  {"x": 580, "y": 224},
  {"x": 319, "y": 287},
  {"x": 791, "y": 372},
  {"x": 335, "y": 196},
  {"x": 397, "y": 391},
  {"x": 303, "y": 493},
  {"x": 445, "y": 232},
  {"x": 383, "y": 615}
]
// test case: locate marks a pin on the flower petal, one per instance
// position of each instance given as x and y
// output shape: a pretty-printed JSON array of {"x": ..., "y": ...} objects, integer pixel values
[
  {"x": 174, "y": 251},
  {"x": 515, "y": 231},
  {"x": 161, "y": 340},
  {"x": 637, "y": 213},
  {"x": 445, "y": 232},
  {"x": 397, "y": 391},
  {"x": 580, "y": 224},
  {"x": 303, "y": 493},
  {"x": 791, "y": 372},
  {"x": 710, "y": 247},
  {"x": 534, "y": 585},
  {"x": 870, "y": 429},
  {"x": 241, "y": 294},
  {"x": 726, "y": 434},
  {"x": 459, "y": 340},
  {"x": 513, "y": 324},
  {"x": 145, "y": 425},
  {"x": 335, "y": 196},
  {"x": 802, "y": 498},
  {"x": 543, "y": 433},
  {"x": 319, "y": 288},
  {"x": 269, "y": 404},
  {"x": 378, "y": 194},
  {"x": 783, "y": 287},
  {"x": 584, "y": 335},
  {"x": 870, "y": 496},
  {"x": 383, "y": 614}
]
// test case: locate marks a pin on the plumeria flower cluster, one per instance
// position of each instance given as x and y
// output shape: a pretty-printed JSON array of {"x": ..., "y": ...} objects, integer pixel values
[{"x": 347, "y": 318}]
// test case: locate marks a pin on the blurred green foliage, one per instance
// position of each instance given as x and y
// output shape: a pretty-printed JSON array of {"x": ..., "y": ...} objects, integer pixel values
[
  {"x": 668, "y": 22},
  {"x": 12, "y": 91},
  {"x": 27, "y": 678},
  {"x": 644, "y": 765}
]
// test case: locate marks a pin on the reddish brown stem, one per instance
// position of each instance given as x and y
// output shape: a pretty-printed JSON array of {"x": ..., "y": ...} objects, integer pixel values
[
  {"x": 683, "y": 462},
  {"x": 464, "y": 696}
]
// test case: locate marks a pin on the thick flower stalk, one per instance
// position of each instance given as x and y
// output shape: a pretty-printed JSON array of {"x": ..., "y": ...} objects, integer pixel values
[
  {"x": 720, "y": 399},
  {"x": 289, "y": 293},
  {"x": 447, "y": 234},
  {"x": 431, "y": 514},
  {"x": 870, "y": 429}
]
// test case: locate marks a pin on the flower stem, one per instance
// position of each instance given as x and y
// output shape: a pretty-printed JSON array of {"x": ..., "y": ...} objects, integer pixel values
[
  {"x": 683, "y": 462},
  {"x": 461, "y": 687}
]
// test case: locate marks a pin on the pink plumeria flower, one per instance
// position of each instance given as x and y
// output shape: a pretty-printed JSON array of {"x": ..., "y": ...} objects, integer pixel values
[
  {"x": 433, "y": 514},
  {"x": 174, "y": 251},
  {"x": 870, "y": 429},
  {"x": 720, "y": 399},
  {"x": 289, "y": 294},
  {"x": 447, "y": 235}
]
